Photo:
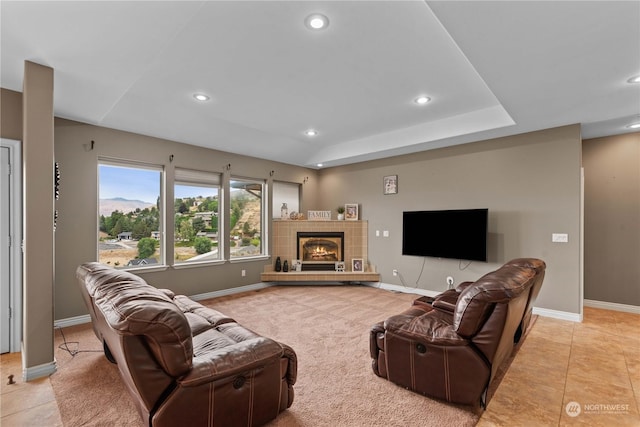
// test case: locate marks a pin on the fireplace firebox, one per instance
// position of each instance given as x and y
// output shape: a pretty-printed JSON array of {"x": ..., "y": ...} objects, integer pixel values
[{"x": 320, "y": 250}]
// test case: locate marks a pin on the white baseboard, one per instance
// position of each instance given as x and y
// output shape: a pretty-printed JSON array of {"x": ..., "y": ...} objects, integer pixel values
[
  {"x": 612, "y": 306},
  {"x": 72, "y": 321},
  {"x": 404, "y": 289},
  {"x": 39, "y": 371},
  {"x": 563, "y": 315},
  {"x": 555, "y": 314},
  {"x": 230, "y": 291}
]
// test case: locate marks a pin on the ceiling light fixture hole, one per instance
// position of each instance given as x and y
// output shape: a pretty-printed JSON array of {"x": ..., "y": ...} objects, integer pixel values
[
  {"x": 634, "y": 79},
  {"x": 201, "y": 97},
  {"x": 316, "y": 21}
]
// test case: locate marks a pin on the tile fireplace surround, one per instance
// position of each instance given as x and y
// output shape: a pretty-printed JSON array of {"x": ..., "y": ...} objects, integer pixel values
[{"x": 284, "y": 237}]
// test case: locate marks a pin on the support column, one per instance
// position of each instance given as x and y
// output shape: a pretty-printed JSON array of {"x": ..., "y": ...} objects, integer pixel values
[{"x": 38, "y": 169}]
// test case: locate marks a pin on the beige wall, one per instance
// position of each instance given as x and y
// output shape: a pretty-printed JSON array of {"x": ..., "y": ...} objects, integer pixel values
[
  {"x": 612, "y": 219},
  {"x": 530, "y": 183},
  {"x": 10, "y": 114},
  {"x": 76, "y": 235}
]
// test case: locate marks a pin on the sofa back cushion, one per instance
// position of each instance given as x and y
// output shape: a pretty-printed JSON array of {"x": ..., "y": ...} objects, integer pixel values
[
  {"x": 477, "y": 302},
  {"x": 130, "y": 306},
  {"x": 539, "y": 267}
]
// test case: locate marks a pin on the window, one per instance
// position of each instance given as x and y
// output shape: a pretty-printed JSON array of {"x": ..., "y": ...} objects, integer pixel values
[
  {"x": 197, "y": 220},
  {"x": 285, "y": 193},
  {"x": 246, "y": 209},
  {"x": 130, "y": 226}
]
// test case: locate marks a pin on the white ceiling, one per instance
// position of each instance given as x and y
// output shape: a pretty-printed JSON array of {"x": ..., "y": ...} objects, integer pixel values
[{"x": 491, "y": 68}]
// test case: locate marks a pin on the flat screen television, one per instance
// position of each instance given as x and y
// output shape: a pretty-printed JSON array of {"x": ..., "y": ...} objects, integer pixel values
[{"x": 458, "y": 234}]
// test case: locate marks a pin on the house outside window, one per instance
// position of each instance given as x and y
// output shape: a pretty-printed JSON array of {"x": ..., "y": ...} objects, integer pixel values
[
  {"x": 197, "y": 217},
  {"x": 246, "y": 210},
  {"x": 130, "y": 214}
]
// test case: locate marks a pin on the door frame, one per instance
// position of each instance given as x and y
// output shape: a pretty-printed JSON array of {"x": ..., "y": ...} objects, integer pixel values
[{"x": 15, "y": 252}]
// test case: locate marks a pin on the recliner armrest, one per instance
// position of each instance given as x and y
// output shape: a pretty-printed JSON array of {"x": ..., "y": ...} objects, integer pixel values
[
  {"x": 462, "y": 286},
  {"x": 433, "y": 327},
  {"x": 443, "y": 304},
  {"x": 292, "y": 368},
  {"x": 448, "y": 299},
  {"x": 233, "y": 359}
]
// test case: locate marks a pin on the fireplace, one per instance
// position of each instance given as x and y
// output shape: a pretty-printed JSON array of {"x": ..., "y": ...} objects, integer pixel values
[{"x": 320, "y": 250}]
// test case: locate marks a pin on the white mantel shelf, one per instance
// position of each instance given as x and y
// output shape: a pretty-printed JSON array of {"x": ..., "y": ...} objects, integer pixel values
[{"x": 319, "y": 276}]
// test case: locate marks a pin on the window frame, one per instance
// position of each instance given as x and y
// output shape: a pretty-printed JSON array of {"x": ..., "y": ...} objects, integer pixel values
[
  {"x": 263, "y": 254},
  {"x": 204, "y": 179},
  {"x": 132, "y": 164}
]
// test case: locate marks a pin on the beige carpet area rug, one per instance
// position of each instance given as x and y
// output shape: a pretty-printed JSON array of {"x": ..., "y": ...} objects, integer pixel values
[{"x": 327, "y": 326}]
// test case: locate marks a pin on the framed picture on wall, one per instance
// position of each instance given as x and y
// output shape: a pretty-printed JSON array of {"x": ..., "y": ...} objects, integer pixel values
[
  {"x": 357, "y": 264},
  {"x": 390, "y": 184},
  {"x": 351, "y": 211}
]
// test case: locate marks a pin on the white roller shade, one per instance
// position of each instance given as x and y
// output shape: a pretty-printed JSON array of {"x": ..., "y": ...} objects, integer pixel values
[{"x": 194, "y": 177}]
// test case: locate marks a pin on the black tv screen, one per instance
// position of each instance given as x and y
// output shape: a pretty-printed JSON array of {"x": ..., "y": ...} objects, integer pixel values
[{"x": 458, "y": 234}]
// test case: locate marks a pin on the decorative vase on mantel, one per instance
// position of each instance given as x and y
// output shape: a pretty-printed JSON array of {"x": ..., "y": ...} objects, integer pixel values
[
  {"x": 340, "y": 210},
  {"x": 278, "y": 265}
]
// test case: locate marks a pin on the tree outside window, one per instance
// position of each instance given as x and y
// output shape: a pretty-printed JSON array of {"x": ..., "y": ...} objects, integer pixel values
[
  {"x": 129, "y": 212},
  {"x": 246, "y": 212}
]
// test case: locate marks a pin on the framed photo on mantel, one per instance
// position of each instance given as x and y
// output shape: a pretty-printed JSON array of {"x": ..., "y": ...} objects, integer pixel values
[{"x": 351, "y": 211}]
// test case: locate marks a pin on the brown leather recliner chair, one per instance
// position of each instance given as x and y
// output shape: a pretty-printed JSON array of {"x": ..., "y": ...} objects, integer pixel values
[
  {"x": 453, "y": 356},
  {"x": 447, "y": 300},
  {"x": 184, "y": 363}
]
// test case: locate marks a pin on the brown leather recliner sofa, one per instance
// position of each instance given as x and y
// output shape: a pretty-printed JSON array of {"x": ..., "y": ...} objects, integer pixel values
[
  {"x": 451, "y": 348},
  {"x": 184, "y": 363}
]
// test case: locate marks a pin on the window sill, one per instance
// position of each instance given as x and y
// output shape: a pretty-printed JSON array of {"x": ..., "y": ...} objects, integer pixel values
[
  {"x": 249, "y": 259},
  {"x": 184, "y": 265},
  {"x": 146, "y": 269}
]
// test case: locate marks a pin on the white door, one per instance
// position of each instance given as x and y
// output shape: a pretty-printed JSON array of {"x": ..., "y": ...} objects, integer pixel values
[{"x": 5, "y": 251}]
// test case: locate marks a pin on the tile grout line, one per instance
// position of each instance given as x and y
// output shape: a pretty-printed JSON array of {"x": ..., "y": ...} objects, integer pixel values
[
  {"x": 566, "y": 374},
  {"x": 636, "y": 397}
]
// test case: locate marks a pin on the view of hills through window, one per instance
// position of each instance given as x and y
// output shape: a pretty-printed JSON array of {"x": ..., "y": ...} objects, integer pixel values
[
  {"x": 131, "y": 208},
  {"x": 129, "y": 215}
]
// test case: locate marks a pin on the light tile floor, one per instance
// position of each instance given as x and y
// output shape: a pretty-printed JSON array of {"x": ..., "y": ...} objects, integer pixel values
[{"x": 565, "y": 374}]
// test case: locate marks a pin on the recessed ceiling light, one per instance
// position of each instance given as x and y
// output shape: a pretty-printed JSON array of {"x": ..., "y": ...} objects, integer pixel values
[
  {"x": 201, "y": 97},
  {"x": 421, "y": 100},
  {"x": 311, "y": 132},
  {"x": 319, "y": 165},
  {"x": 634, "y": 125},
  {"x": 316, "y": 21},
  {"x": 634, "y": 79}
]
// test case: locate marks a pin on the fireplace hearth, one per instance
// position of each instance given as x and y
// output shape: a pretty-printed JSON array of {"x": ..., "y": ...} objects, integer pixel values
[{"x": 320, "y": 250}]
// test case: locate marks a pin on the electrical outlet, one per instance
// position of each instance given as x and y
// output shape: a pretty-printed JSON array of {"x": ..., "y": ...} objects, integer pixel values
[
  {"x": 395, "y": 272},
  {"x": 560, "y": 237},
  {"x": 244, "y": 273}
]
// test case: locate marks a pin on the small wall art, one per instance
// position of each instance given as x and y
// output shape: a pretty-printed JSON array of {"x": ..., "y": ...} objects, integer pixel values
[
  {"x": 390, "y": 184},
  {"x": 357, "y": 264}
]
